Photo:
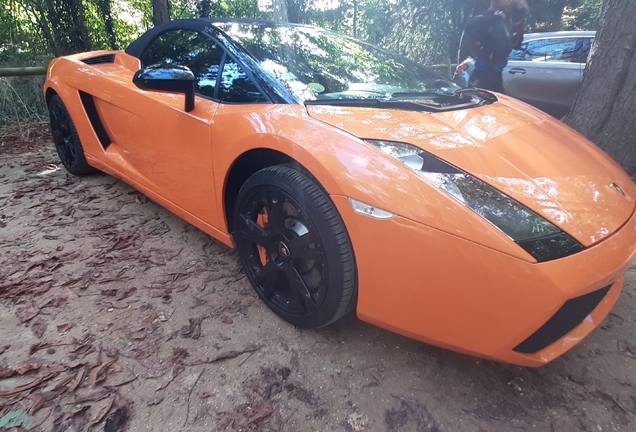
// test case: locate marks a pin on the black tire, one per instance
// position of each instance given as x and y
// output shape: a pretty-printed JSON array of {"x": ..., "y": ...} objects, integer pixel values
[
  {"x": 67, "y": 142},
  {"x": 305, "y": 270}
]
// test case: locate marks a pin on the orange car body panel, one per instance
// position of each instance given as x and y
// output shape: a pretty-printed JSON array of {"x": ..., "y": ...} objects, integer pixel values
[
  {"x": 450, "y": 292},
  {"x": 531, "y": 156},
  {"x": 444, "y": 275}
]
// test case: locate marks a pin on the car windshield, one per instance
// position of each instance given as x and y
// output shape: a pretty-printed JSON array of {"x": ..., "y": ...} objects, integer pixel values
[{"x": 314, "y": 63}]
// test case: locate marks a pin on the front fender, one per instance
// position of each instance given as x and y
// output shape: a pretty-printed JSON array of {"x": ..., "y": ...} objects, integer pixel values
[{"x": 345, "y": 166}]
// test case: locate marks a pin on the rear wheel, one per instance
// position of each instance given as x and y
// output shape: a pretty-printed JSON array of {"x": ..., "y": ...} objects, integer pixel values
[
  {"x": 67, "y": 142},
  {"x": 294, "y": 247}
]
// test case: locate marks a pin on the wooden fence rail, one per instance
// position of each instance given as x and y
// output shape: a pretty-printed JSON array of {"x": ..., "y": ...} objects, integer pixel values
[{"x": 23, "y": 71}]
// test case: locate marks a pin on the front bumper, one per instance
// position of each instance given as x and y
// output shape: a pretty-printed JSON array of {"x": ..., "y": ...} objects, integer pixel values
[{"x": 453, "y": 293}]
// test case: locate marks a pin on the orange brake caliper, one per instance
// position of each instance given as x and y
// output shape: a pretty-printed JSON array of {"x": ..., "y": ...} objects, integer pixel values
[{"x": 263, "y": 222}]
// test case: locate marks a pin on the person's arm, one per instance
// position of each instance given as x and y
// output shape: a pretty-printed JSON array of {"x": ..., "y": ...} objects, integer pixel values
[{"x": 518, "y": 27}]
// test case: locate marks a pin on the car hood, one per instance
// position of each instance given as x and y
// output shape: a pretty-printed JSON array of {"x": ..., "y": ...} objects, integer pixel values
[{"x": 526, "y": 154}]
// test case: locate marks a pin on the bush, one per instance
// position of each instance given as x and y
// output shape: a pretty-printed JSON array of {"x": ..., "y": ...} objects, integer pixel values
[{"x": 21, "y": 98}]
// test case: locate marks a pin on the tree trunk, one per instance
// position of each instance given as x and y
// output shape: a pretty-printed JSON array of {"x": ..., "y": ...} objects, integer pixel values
[
  {"x": 38, "y": 12},
  {"x": 294, "y": 9},
  {"x": 55, "y": 29},
  {"x": 355, "y": 18},
  {"x": 79, "y": 23},
  {"x": 204, "y": 8},
  {"x": 604, "y": 107},
  {"x": 556, "y": 14},
  {"x": 106, "y": 9},
  {"x": 160, "y": 12}
]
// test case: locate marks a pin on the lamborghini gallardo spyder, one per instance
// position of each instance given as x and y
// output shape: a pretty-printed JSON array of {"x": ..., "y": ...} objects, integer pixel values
[{"x": 349, "y": 178}]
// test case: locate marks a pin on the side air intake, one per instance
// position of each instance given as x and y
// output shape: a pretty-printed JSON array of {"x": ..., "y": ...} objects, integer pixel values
[
  {"x": 96, "y": 121},
  {"x": 100, "y": 59}
]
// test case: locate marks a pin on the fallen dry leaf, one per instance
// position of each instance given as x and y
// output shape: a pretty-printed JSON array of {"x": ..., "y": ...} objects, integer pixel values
[
  {"x": 138, "y": 335},
  {"x": 193, "y": 330},
  {"x": 79, "y": 418},
  {"x": 169, "y": 377},
  {"x": 103, "y": 412},
  {"x": 27, "y": 313},
  {"x": 95, "y": 396},
  {"x": 222, "y": 356},
  {"x": 100, "y": 373},
  {"x": 64, "y": 327},
  {"x": 40, "y": 417},
  {"x": 39, "y": 327},
  {"x": 117, "y": 421},
  {"x": 36, "y": 382}
]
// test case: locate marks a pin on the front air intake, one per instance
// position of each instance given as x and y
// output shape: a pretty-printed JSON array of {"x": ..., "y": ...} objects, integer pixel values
[{"x": 571, "y": 314}]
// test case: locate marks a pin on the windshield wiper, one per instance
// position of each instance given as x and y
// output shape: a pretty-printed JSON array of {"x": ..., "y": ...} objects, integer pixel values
[
  {"x": 416, "y": 95},
  {"x": 421, "y": 102}
]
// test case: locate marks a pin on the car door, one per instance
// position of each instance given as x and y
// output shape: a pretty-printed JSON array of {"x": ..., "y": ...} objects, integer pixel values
[
  {"x": 544, "y": 74},
  {"x": 167, "y": 150}
]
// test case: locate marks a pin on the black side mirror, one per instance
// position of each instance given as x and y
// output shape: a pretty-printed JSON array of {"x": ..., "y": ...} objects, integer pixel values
[{"x": 169, "y": 78}]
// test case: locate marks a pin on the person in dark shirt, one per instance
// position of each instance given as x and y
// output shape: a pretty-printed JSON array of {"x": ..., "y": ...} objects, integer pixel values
[{"x": 489, "y": 38}]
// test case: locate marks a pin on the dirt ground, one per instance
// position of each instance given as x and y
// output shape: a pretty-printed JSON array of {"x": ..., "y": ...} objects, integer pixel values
[{"x": 116, "y": 315}]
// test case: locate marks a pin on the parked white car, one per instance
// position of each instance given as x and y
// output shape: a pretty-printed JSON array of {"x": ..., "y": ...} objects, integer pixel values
[{"x": 547, "y": 71}]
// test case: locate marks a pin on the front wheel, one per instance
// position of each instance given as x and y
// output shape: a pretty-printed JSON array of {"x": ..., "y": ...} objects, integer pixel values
[
  {"x": 295, "y": 248},
  {"x": 67, "y": 142}
]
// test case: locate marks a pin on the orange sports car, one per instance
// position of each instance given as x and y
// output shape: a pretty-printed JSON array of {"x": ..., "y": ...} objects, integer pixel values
[{"x": 349, "y": 178}]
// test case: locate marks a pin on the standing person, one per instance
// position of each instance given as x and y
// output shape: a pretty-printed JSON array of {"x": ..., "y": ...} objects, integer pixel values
[{"x": 489, "y": 38}]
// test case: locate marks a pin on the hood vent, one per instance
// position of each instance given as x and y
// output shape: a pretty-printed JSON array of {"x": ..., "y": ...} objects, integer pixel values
[{"x": 101, "y": 59}]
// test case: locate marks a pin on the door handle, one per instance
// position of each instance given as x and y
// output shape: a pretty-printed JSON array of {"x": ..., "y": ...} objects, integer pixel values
[{"x": 517, "y": 71}]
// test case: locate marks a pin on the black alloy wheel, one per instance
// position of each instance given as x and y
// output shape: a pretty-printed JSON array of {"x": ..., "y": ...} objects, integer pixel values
[
  {"x": 295, "y": 248},
  {"x": 67, "y": 142}
]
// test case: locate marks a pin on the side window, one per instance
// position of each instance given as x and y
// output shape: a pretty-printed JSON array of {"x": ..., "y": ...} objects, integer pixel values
[
  {"x": 520, "y": 54},
  {"x": 551, "y": 50},
  {"x": 187, "y": 48},
  {"x": 582, "y": 49},
  {"x": 236, "y": 86}
]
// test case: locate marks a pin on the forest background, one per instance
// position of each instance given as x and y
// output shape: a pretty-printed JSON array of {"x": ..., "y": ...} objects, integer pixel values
[{"x": 427, "y": 31}]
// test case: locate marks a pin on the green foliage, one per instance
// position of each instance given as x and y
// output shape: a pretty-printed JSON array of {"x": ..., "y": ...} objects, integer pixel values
[
  {"x": 585, "y": 16},
  {"x": 425, "y": 30},
  {"x": 553, "y": 15}
]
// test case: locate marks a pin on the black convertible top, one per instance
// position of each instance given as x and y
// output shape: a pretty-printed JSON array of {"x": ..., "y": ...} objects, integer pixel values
[{"x": 137, "y": 47}]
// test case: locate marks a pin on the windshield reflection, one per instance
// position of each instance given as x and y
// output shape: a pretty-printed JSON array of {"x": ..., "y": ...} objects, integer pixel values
[{"x": 314, "y": 63}]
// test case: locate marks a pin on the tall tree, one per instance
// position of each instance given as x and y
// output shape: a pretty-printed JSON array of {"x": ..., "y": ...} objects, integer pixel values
[
  {"x": 68, "y": 24},
  {"x": 204, "y": 8},
  {"x": 295, "y": 9},
  {"x": 545, "y": 15},
  {"x": 106, "y": 10},
  {"x": 160, "y": 12},
  {"x": 604, "y": 107}
]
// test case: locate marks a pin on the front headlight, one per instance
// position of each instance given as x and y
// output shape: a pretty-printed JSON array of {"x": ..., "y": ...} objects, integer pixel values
[{"x": 540, "y": 238}]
